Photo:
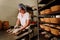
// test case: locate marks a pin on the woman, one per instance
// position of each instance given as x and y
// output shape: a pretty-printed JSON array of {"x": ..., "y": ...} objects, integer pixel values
[{"x": 23, "y": 18}]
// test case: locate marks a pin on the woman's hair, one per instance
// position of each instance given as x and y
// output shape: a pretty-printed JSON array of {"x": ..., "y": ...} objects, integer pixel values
[{"x": 22, "y": 6}]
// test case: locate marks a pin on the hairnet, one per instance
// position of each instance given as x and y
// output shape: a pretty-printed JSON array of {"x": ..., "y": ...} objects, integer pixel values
[{"x": 22, "y": 6}]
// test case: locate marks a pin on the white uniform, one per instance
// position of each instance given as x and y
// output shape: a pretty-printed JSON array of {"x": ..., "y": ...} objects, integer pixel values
[{"x": 23, "y": 18}]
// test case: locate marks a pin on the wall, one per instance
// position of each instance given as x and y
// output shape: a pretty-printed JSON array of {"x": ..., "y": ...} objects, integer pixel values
[{"x": 9, "y": 9}]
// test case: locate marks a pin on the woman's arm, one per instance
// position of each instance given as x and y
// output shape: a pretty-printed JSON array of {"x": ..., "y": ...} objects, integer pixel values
[
  {"x": 26, "y": 25},
  {"x": 17, "y": 23}
]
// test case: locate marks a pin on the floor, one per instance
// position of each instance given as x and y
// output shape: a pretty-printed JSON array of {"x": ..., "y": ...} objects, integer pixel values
[{"x": 5, "y": 36}]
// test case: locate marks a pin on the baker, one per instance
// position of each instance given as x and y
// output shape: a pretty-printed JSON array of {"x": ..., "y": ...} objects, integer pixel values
[{"x": 23, "y": 18}]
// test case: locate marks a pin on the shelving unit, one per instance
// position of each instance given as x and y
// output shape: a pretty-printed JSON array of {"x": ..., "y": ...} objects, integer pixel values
[{"x": 48, "y": 4}]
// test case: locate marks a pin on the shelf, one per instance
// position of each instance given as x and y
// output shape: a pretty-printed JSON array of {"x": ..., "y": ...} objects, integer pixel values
[
  {"x": 50, "y": 23},
  {"x": 48, "y": 5},
  {"x": 51, "y": 15},
  {"x": 48, "y": 16},
  {"x": 52, "y": 27}
]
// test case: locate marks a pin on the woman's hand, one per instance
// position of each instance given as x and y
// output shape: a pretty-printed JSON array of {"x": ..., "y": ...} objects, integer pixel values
[{"x": 15, "y": 26}]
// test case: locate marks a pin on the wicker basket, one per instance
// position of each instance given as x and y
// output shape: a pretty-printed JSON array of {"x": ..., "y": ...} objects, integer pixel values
[
  {"x": 48, "y": 11},
  {"x": 0, "y": 24},
  {"x": 42, "y": 19},
  {"x": 55, "y": 20},
  {"x": 47, "y": 28},
  {"x": 54, "y": 31},
  {"x": 5, "y": 24},
  {"x": 55, "y": 8},
  {"x": 42, "y": 12},
  {"x": 47, "y": 20},
  {"x": 42, "y": 26}
]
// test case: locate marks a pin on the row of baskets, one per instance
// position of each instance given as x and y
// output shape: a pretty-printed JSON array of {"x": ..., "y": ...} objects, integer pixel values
[
  {"x": 4, "y": 25},
  {"x": 50, "y": 20},
  {"x": 55, "y": 32},
  {"x": 51, "y": 10}
]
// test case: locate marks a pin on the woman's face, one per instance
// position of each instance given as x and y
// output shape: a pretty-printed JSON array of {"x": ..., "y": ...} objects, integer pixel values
[{"x": 22, "y": 11}]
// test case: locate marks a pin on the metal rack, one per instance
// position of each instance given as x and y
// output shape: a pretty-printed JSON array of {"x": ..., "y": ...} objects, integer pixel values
[{"x": 51, "y": 15}]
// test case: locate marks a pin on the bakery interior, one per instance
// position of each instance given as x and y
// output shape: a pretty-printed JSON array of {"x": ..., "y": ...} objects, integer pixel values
[{"x": 45, "y": 19}]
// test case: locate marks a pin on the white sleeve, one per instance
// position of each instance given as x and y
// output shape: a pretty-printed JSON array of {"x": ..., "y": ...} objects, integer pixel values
[{"x": 28, "y": 16}]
